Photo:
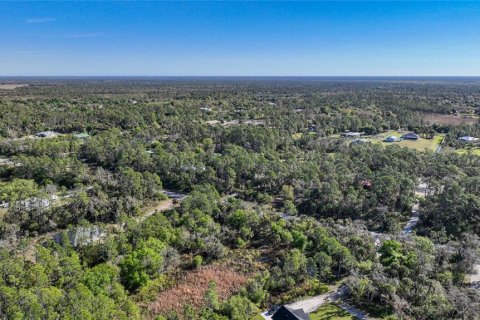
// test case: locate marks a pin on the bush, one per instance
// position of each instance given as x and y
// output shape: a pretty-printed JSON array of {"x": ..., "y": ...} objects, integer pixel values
[{"x": 197, "y": 261}]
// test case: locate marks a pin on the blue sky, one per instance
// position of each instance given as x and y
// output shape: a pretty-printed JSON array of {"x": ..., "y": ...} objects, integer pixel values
[{"x": 240, "y": 38}]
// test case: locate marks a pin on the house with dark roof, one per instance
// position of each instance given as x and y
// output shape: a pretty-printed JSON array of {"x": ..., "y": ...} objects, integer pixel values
[
  {"x": 286, "y": 313},
  {"x": 410, "y": 136},
  {"x": 391, "y": 139}
]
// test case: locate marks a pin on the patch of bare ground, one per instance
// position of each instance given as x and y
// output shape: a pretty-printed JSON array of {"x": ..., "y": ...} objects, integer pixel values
[
  {"x": 11, "y": 86},
  {"x": 192, "y": 286},
  {"x": 445, "y": 119}
]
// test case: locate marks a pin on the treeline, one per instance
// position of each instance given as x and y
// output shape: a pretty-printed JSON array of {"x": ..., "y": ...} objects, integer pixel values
[{"x": 307, "y": 204}]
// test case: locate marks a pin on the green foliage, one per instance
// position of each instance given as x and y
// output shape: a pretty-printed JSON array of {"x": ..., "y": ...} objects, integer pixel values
[
  {"x": 267, "y": 176},
  {"x": 197, "y": 261},
  {"x": 211, "y": 297},
  {"x": 18, "y": 189},
  {"x": 144, "y": 263}
]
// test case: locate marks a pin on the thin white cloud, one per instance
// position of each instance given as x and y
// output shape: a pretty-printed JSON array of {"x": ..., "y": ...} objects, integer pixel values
[{"x": 39, "y": 20}]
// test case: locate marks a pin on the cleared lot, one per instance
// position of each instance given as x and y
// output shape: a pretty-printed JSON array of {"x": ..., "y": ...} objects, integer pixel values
[
  {"x": 11, "y": 86},
  {"x": 421, "y": 144}
]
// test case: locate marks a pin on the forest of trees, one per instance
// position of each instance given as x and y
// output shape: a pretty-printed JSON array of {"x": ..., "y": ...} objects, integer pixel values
[{"x": 290, "y": 210}]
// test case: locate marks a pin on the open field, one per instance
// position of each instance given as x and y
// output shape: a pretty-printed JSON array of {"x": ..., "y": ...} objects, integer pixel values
[
  {"x": 330, "y": 312},
  {"x": 474, "y": 151},
  {"x": 448, "y": 119},
  {"x": 11, "y": 86},
  {"x": 297, "y": 135},
  {"x": 421, "y": 144}
]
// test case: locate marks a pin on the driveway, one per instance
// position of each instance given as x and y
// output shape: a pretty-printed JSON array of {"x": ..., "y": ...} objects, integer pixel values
[{"x": 311, "y": 304}]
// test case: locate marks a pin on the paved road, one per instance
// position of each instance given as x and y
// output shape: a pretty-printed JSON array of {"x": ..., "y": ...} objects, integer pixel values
[
  {"x": 175, "y": 195},
  {"x": 421, "y": 191},
  {"x": 414, "y": 219},
  {"x": 359, "y": 314},
  {"x": 311, "y": 304}
]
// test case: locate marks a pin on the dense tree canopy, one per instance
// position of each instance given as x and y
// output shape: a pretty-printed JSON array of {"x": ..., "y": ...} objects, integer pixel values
[{"x": 263, "y": 185}]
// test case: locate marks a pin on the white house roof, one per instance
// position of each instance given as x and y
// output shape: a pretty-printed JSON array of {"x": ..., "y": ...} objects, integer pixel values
[
  {"x": 468, "y": 138},
  {"x": 351, "y": 134},
  {"x": 360, "y": 141},
  {"x": 46, "y": 134}
]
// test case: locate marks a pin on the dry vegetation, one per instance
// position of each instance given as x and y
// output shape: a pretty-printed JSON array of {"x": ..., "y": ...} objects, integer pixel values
[
  {"x": 191, "y": 289},
  {"x": 450, "y": 119},
  {"x": 11, "y": 86}
]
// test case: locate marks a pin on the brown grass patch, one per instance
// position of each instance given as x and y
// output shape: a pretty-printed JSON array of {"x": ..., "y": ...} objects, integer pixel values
[
  {"x": 11, "y": 86},
  {"x": 445, "y": 119},
  {"x": 192, "y": 287}
]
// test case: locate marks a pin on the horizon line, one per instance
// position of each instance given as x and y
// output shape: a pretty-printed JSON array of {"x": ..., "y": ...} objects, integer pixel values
[{"x": 239, "y": 76}]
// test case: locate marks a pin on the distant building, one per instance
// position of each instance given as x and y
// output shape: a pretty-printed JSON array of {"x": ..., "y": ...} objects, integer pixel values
[
  {"x": 351, "y": 134},
  {"x": 410, "y": 136},
  {"x": 468, "y": 139},
  {"x": 46, "y": 134},
  {"x": 285, "y": 313},
  {"x": 257, "y": 122},
  {"x": 82, "y": 135},
  {"x": 5, "y": 162},
  {"x": 391, "y": 139}
]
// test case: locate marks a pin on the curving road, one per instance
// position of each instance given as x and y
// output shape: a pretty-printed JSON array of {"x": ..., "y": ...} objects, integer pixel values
[{"x": 311, "y": 304}]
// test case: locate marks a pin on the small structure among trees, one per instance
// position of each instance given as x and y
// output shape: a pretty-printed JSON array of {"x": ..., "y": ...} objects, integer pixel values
[
  {"x": 410, "y": 136},
  {"x": 46, "y": 134},
  {"x": 285, "y": 313},
  {"x": 468, "y": 139},
  {"x": 391, "y": 139},
  {"x": 350, "y": 134}
]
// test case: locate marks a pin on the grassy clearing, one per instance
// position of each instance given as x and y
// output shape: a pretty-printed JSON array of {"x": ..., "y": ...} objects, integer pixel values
[
  {"x": 297, "y": 136},
  {"x": 421, "y": 144},
  {"x": 300, "y": 135},
  {"x": 450, "y": 119},
  {"x": 474, "y": 151},
  {"x": 468, "y": 151},
  {"x": 330, "y": 312},
  {"x": 257, "y": 317}
]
